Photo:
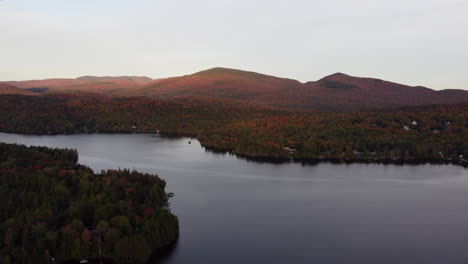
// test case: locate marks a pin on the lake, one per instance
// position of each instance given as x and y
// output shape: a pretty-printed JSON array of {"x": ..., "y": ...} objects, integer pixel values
[{"x": 236, "y": 211}]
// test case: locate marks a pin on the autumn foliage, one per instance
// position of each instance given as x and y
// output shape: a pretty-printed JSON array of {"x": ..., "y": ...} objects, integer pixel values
[
  {"x": 63, "y": 210},
  {"x": 436, "y": 133}
]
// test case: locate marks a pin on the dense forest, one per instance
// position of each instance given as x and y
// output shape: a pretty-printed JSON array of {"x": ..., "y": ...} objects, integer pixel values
[
  {"x": 411, "y": 135},
  {"x": 437, "y": 133},
  {"x": 54, "y": 208}
]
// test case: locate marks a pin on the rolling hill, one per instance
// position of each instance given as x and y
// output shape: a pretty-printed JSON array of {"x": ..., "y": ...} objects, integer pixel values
[
  {"x": 337, "y": 92},
  {"x": 84, "y": 83},
  {"x": 222, "y": 83},
  {"x": 343, "y": 92},
  {"x": 9, "y": 89}
]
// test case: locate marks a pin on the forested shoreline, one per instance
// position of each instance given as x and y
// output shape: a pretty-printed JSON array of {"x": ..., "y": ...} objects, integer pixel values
[
  {"x": 435, "y": 134},
  {"x": 54, "y": 209}
]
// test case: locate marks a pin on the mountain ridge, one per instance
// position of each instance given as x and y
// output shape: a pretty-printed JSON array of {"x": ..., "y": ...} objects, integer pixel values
[{"x": 335, "y": 92}]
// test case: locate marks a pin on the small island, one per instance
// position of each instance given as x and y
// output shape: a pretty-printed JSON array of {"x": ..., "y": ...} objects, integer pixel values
[{"x": 56, "y": 210}]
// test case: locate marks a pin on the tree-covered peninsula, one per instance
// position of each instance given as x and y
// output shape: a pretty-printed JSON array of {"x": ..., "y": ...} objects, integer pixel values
[{"x": 54, "y": 209}]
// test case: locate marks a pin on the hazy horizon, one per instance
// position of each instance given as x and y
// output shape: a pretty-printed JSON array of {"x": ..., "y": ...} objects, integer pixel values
[{"x": 418, "y": 43}]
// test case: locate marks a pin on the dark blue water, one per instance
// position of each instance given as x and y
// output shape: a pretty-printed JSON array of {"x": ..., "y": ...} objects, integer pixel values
[{"x": 237, "y": 211}]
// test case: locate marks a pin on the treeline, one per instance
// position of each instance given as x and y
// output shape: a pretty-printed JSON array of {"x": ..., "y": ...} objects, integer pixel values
[
  {"x": 55, "y": 209},
  {"x": 91, "y": 113},
  {"x": 422, "y": 134},
  {"x": 416, "y": 134}
]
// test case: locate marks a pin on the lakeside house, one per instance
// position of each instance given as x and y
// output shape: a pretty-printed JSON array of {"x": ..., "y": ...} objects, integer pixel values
[{"x": 290, "y": 150}]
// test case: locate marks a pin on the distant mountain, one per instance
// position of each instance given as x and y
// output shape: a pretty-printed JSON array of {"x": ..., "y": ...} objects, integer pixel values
[
  {"x": 134, "y": 79},
  {"x": 85, "y": 83},
  {"x": 337, "y": 92},
  {"x": 9, "y": 89},
  {"x": 341, "y": 91},
  {"x": 222, "y": 83}
]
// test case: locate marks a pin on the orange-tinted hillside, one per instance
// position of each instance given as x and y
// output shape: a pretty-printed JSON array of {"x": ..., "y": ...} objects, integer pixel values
[
  {"x": 9, "y": 89},
  {"x": 337, "y": 92},
  {"x": 85, "y": 83}
]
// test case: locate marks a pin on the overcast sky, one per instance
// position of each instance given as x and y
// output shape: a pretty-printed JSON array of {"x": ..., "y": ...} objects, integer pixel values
[{"x": 417, "y": 42}]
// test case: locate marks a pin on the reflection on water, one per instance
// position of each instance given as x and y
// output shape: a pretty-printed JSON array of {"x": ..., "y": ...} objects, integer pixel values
[{"x": 236, "y": 211}]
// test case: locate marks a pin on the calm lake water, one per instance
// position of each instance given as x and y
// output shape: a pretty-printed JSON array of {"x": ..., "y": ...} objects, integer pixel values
[{"x": 237, "y": 211}]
